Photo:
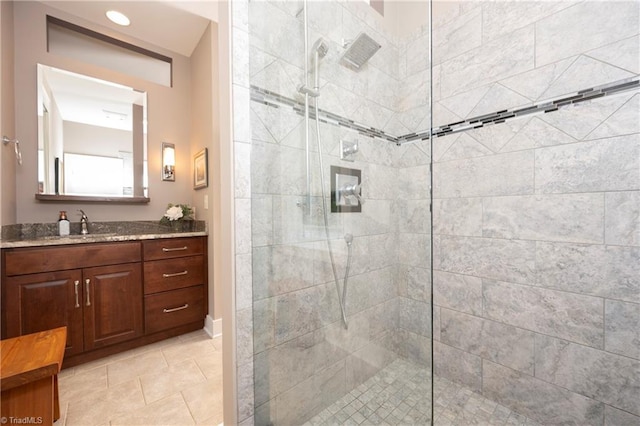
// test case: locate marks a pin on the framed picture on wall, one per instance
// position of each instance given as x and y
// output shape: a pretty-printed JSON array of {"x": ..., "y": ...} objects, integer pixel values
[{"x": 201, "y": 170}]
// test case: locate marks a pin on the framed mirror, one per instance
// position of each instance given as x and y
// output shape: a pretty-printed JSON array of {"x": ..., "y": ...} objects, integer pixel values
[{"x": 92, "y": 139}]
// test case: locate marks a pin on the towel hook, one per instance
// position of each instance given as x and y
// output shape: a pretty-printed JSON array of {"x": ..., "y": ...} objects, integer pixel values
[{"x": 6, "y": 140}]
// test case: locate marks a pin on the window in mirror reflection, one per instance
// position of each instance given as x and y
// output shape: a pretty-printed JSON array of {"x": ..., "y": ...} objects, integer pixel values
[
  {"x": 95, "y": 131},
  {"x": 80, "y": 172}
]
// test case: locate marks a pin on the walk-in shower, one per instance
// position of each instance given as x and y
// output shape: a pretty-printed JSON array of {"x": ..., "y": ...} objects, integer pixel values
[{"x": 493, "y": 266}]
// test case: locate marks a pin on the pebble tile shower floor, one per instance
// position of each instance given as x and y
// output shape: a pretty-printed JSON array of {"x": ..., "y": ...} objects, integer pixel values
[{"x": 399, "y": 395}]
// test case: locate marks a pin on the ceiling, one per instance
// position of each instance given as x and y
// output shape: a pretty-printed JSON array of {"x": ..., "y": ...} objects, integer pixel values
[
  {"x": 173, "y": 25},
  {"x": 87, "y": 100}
]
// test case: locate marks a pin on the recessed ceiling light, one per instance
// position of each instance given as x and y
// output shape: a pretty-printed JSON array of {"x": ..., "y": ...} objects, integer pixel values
[{"x": 118, "y": 18}]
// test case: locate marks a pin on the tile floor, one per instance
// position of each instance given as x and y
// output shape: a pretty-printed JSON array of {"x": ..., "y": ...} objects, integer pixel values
[
  {"x": 177, "y": 381},
  {"x": 399, "y": 395}
]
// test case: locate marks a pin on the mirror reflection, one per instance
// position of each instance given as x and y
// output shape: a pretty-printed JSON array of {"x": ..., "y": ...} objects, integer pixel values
[{"x": 92, "y": 138}]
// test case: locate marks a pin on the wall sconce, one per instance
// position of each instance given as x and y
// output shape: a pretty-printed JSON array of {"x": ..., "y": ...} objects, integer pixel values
[{"x": 168, "y": 161}]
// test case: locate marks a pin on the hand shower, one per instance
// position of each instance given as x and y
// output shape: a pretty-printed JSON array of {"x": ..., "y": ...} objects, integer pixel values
[{"x": 320, "y": 49}]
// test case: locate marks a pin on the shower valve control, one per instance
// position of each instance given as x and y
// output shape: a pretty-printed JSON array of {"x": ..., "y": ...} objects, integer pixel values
[
  {"x": 350, "y": 190},
  {"x": 346, "y": 190}
]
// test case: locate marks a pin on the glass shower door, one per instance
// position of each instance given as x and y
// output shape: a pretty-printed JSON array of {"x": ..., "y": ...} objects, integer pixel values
[{"x": 359, "y": 132}]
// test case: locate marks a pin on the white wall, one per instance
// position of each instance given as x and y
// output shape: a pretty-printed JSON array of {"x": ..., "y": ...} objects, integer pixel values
[{"x": 78, "y": 137}]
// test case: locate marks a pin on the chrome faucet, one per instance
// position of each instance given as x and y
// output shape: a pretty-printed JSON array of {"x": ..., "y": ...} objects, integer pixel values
[{"x": 84, "y": 221}]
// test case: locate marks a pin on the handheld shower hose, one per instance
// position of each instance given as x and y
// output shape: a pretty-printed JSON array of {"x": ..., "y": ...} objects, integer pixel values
[
  {"x": 320, "y": 49},
  {"x": 348, "y": 237}
]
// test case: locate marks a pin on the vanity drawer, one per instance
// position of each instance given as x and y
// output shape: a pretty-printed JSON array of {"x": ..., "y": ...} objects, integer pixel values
[
  {"x": 173, "y": 308},
  {"x": 59, "y": 258},
  {"x": 172, "y": 247},
  {"x": 172, "y": 274}
]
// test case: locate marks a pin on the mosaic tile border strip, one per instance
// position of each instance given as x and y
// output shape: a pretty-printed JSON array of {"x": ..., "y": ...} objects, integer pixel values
[{"x": 276, "y": 100}]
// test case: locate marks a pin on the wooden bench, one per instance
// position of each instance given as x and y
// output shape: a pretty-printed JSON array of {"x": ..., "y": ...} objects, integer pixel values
[{"x": 29, "y": 370}]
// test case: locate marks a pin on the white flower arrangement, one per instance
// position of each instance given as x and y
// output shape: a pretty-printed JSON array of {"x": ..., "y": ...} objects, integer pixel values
[
  {"x": 177, "y": 212},
  {"x": 174, "y": 213}
]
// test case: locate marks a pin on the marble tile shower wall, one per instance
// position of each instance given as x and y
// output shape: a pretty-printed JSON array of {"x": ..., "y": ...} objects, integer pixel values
[
  {"x": 244, "y": 377},
  {"x": 536, "y": 229},
  {"x": 303, "y": 358}
]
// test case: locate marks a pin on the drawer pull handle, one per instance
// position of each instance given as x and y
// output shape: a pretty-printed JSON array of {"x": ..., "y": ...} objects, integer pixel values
[
  {"x": 164, "y": 249},
  {"x": 76, "y": 284},
  {"x": 87, "y": 282},
  {"x": 179, "y": 308},
  {"x": 177, "y": 274}
]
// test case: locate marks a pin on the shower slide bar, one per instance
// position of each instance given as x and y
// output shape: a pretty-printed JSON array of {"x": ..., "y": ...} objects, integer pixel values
[{"x": 276, "y": 100}]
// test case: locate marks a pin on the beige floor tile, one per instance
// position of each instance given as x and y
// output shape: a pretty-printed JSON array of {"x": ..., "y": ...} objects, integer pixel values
[
  {"x": 102, "y": 406},
  {"x": 172, "y": 410},
  {"x": 141, "y": 386},
  {"x": 197, "y": 335},
  {"x": 82, "y": 385},
  {"x": 211, "y": 365},
  {"x": 213, "y": 421},
  {"x": 125, "y": 369},
  {"x": 106, "y": 361},
  {"x": 205, "y": 401},
  {"x": 157, "y": 346},
  {"x": 67, "y": 372},
  {"x": 189, "y": 349},
  {"x": 170, "y": 380}
]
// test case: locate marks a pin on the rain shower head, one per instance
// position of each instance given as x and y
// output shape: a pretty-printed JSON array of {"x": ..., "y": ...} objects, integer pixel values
[{"x": 360, "y": 51}]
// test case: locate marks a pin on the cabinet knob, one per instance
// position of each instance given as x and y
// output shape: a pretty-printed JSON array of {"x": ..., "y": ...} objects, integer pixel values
[{"x": 87, "y": 282}]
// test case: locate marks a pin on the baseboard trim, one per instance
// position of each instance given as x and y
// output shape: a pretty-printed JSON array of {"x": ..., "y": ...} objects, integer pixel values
[{"x": 213, "y": 327}]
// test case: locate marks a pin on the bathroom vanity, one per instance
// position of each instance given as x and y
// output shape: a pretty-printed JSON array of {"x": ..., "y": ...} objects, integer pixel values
[{"x": 113, "y": 293}]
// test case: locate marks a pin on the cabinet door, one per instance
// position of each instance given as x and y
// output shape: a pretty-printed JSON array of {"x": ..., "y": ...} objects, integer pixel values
[
  {"x": 39, "y": 302},
  {"x": 112, "y": 304}
]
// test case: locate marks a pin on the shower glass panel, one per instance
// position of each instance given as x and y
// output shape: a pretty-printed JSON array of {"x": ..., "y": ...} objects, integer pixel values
[
  {"x": 529, "y": 123},
  {"x": 310, "y": 363},
  {"x": 536, "y": 178}
]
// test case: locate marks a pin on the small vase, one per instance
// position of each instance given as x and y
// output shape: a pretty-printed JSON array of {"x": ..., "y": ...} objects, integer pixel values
[{"x": 176, "y": 226}]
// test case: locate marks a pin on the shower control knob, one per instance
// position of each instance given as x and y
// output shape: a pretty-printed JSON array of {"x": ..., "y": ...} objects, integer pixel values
[{"x": 354, "y": 191}]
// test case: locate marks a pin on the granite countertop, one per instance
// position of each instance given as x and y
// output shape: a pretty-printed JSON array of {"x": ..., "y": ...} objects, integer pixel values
[{"x": 35, "y": 235}]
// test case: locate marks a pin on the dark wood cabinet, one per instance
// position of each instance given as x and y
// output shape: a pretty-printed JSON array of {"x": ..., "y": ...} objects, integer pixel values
[
  {"x": 175, "y": 274},
  {"x": 38, "y": 302},
  {"x": 111, "y": 296},
  {"x": 113, "y": 304}
]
